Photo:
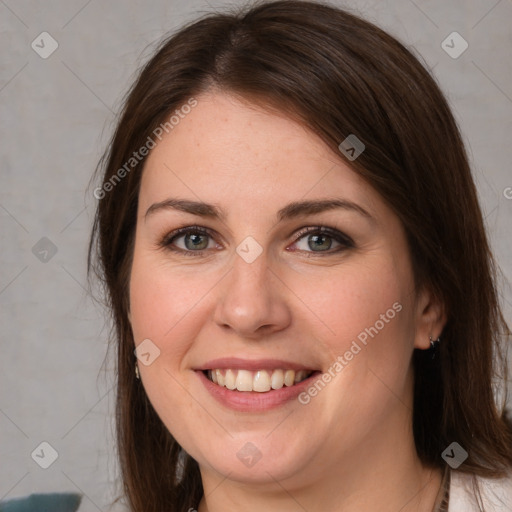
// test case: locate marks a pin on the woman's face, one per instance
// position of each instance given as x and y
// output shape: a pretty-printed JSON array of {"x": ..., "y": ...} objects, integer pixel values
[{"x": 258, "y": 292}]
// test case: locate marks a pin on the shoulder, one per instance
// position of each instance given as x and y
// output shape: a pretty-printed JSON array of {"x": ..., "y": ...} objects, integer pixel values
[
  {"x": 56, "y": 502},
  {"x": 496, "y": 493}
]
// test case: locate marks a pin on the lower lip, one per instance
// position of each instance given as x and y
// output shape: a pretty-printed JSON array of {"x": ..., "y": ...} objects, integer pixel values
[{"x": 250, "y": 401}]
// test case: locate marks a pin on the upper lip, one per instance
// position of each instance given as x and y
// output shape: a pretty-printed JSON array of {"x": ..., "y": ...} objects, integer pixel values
[{"x": 236, "y": 363}]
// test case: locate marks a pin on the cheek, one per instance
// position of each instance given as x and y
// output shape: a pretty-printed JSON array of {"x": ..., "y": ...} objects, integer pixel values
[
  {"x": 158, "y": 300},
  {"x": 368, "y": 330},
  {"x": 166, "y": 303},
  {"x": 358, "y": 302}
]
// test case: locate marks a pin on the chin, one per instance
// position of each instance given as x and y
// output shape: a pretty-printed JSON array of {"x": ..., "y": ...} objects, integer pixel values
[{"x": 255, "y": 461}]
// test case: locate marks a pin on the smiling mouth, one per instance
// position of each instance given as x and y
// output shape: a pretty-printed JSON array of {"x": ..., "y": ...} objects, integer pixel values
[{"x": 260, "y": 381}]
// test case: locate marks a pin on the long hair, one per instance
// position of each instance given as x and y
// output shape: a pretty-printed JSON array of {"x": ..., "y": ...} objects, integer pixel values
[{"x": 338, "y": 75}]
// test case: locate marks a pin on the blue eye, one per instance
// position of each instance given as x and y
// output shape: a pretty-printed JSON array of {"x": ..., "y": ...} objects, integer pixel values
[
  {"x": 320, "y": 239},
  {"x": 195, "y": 240},
  {"x": 317, "y": 240}
]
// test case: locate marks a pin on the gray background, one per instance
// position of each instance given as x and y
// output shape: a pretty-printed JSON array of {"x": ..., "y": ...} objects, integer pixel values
[{"x": 56, "y": 115}]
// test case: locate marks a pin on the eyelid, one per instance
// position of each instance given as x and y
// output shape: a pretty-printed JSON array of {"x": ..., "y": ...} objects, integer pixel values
[{"x": 334, "y": 233}]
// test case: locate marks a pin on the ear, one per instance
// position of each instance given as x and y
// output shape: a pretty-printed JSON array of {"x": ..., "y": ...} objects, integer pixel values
[{"x": 430, "y": 319}]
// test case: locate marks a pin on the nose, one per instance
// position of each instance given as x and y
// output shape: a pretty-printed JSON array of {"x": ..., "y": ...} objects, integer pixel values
[{"x": 252, "y": 301}]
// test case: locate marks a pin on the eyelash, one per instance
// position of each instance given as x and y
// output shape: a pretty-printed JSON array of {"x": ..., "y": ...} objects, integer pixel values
[{"x": 338, "y": 236}]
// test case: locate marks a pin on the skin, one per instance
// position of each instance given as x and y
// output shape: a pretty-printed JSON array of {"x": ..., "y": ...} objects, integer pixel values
[{"x": 351, "y": 447}]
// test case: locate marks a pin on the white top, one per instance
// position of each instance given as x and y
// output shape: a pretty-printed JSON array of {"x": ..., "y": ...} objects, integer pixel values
[{"x": 496, "y": 493}]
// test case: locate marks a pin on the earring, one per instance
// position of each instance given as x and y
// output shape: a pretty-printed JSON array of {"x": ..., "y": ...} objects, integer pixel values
[
  {"x": 434, "y": 345},
  {"x": 137, "y": 374}
]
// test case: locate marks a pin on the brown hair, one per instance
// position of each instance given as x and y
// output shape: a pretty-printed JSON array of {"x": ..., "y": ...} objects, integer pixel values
[{"x": 338, "y": 75}]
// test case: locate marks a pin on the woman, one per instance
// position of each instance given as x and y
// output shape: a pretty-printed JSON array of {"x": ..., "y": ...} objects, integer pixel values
[{"x": 301, "y": 285}]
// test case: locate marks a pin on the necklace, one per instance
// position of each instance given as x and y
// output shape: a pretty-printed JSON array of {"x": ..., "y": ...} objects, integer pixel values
[{"x": 442, "y": 499}]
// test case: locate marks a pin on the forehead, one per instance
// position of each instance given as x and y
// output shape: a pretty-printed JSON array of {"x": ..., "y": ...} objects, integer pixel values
[{"x": 239, "y": 154}]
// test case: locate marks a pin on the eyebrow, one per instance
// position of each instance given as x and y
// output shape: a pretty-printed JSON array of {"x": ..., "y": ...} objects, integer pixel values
[{"x": 290, "y": 211}]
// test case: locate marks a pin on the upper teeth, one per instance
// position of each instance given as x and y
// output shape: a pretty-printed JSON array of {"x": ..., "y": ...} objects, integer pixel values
[{"x": 261, "y": 380}]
